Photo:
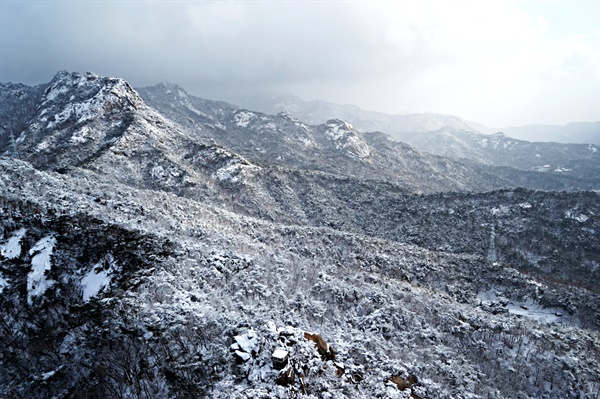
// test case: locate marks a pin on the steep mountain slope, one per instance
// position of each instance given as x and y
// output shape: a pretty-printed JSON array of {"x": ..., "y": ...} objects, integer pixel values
[
  {"x": 18, "y": 107},
  {"x": 171, "y": 254},
  {"x": 336, "y": 147},
  {"x": 452, "y": 137}
]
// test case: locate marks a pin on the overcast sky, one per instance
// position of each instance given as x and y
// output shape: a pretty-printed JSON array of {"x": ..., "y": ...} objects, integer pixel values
[{"x": 497, "y": 63}]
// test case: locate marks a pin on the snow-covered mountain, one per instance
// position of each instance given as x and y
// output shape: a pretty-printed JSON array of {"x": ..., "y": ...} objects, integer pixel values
[
  {"x": 157, "y": 245},
  {"x": 553, "y": 150},
  {"x": 317, "y": 111},
  {"x": 577, "y": 160},
  {"x": 574, "y": 132},
  {"x": 286, "y": 141}
]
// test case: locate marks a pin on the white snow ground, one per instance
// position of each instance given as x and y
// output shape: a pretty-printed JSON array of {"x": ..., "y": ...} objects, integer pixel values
[
  {"x": 97, "y": 279},
  {"x": 12, "y": 248},
  {"x": 37, "y": 283}
]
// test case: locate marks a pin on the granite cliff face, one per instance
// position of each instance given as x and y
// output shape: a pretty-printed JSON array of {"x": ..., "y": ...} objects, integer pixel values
[{"x": 158, "y": 245}]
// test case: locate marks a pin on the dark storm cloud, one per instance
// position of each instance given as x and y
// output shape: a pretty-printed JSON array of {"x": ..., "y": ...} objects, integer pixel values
[
  {"x": 213, "y": 44},
  {"x": 439, "y": 56}
]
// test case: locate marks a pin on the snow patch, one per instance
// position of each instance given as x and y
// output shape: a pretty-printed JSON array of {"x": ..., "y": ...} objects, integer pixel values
[
  {"x": 536, "y": 312},
  {"x": 528, "y": 307},
  {"x": 500, "y": 211},
  {"x": 338, "y": 129},
  {"x": 12, "y": 249},
  {"x": 60, "y": 118},
  {"x": 559, "y": 169},
  {"x": 270, "y": 126},
  {"x": 80, "y": 136},
  {"x": 243, "y": 118},
  {"x": 358, "y": 147},
  {"x": 48, "y": 375},
  {"x": 232, "y": 170},
  {"x": 229, "y": 171},
  {"x": 580, "y": 217},
  {"x": 98, "y": 278},
  {"x": 157, "y": 172},
  {"x": 42, "y": 146},
  {"x": 37, "y": 283}
]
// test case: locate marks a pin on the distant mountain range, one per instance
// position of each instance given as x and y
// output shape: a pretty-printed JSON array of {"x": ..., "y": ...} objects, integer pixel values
[
  {"x": 154, "y": 244},
  {"x": 317, "y": 111},
  {"x": 574, "y": 132}
]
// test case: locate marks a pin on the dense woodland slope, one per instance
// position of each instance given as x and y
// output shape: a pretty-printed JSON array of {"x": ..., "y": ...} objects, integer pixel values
[{"x": 157, "y": 245}]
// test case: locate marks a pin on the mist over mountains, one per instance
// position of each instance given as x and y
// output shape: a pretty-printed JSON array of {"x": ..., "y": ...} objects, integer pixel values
[
  {"x": 159, "y": 245},
  {"x": 399, "y": 125}
]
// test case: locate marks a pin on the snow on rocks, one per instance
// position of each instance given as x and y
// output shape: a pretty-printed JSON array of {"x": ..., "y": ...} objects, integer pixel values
[
  {"x": 245, "y": 346},
  {"x": 247, "y": 342},
  {"x": 308, "y": 143},
  {"x": 12, "y": 248},
  {"x": 37, "y": 283},
  {"x": 343, "y": 135},
  {"x": 501, "y": 210},
  {"x": 358, "y": 147},
  {"x": 81, "y": 136},
  {"x": 577, "y": 216},
  {"x": 229, "y": 172},
  {"x": 293, "y": 359},
  {"x": 233, "y": 170},
  {"x": 337, "y": 129},
  {"x": 91, "y": 98},
  {"x": 243, "y": 118}
]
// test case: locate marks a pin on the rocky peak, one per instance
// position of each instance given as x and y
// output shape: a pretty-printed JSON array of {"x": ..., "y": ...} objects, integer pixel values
[
  {"x": 75, "y": 116},
  {"x": 287, "y": 115},
  {"x": 345, "y": 137},
  {"x": 339, "y": 125},
  {"x": 172, "y": 90},
  {"x": 89, "y": 88}
]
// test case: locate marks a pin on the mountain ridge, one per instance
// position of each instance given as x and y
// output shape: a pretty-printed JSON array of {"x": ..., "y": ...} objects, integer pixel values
[
  {"x": 318, "y": 111},
  {"x": 391, "y": 154}
]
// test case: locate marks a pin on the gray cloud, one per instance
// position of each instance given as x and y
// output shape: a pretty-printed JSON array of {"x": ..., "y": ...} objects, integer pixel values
[{"x": 392, "y": 57}]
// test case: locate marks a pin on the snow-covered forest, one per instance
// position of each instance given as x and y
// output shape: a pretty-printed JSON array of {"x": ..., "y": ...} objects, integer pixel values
[{"x": 209, "y": 251}]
